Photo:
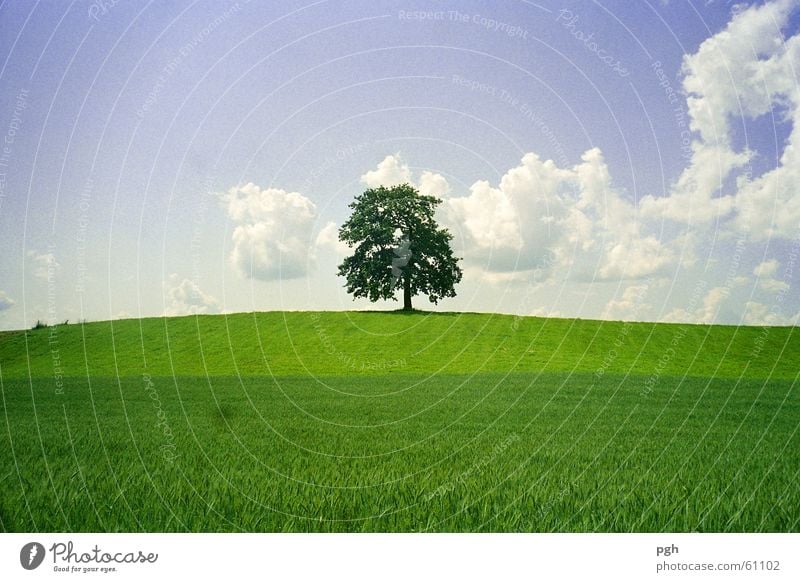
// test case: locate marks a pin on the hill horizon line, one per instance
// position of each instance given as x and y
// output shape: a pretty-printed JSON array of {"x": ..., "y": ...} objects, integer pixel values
[
  {"x": 400, "y": 312},
  {"x": 330, "y": 343}
]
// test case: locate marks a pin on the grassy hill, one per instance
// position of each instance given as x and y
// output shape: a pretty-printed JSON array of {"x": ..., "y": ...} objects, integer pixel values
[
  {"x": 399, "y": 422},
  {"x": 372, "y": 343}
]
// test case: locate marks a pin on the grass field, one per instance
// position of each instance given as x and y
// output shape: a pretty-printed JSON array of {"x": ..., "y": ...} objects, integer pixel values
[{"x": 392, "y": 422}]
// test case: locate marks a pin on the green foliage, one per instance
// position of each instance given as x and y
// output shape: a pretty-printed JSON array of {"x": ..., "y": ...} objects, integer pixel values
[
  {"x": 398, "y": 245},
  {"x": 39, "y": 324}
]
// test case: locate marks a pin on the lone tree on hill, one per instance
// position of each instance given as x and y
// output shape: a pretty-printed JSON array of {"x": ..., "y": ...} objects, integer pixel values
[{"x": 398, "y": 244}]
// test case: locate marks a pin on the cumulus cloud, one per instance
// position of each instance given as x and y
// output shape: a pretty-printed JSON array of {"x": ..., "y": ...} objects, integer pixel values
[
  {"x": 573, "y": 219},
  {"x": 5, "y": 301},
  {"x": 273, "y": 234},
  {"x": 708, "y": 312},
  {"x": 745, "y": 71},
  {"x": 184, "y": 297},
  {"x": 433, "y": 184},
  {"x": 712, "y": 303},
  {"x": 630, "y": 306},
  {"x": 390, "y": 172},
  {"x": 765, "y": 272},
  {"x": 44, "y": 265},
  {"x": 489, "y": 222},
  {"x": 766, "y": 269},
  {"x": 756, "y": 313},
  {"x": 328, "y": 238},
  {"x": 768, "y": 206},
  {"x": 773, "y": 285}
]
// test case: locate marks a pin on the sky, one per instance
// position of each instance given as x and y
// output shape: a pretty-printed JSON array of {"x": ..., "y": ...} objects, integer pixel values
[{"x": 607, "y": 160}]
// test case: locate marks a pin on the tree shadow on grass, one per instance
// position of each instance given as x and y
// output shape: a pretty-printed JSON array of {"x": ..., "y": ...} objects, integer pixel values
[{"x": 404, "y": 312}]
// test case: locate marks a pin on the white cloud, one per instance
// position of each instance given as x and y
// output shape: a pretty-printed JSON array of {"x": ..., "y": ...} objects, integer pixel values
[
  {"x": 691, "y": 199},
  {"x": 273, "y": 234},
  {"x": 390, "y": 172},
  {"x": 707, "y": 313},
  {"x": 768, "y": 206},
  {"x": 432, "y": 184},
  {"x": 759, "y": 314},
  {"x": 488, "y": 220},
  {"x": 765, "y": 271},
  {"x": 630, "y": 306},
  {"x": 542, "y": 215},
  {"x": 186, "y": 298},
  {"x": 773, "y": 285},
  {"x": 328, "y": 238},
  {"x": 45, "y": 265},
  {"x": 635, "y": 257},
  {"x": 745, "y": 71},
  {"x": 711, "y": 304},
  {"x": 5, "y": 301},
  {"x": 511, "y": 226},
  {"x": 678, "y": 315},
  {"x": 481, "y": 275}
]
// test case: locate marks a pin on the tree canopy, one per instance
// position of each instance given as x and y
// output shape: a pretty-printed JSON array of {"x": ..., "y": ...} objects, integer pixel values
[{"x": 397, "y": 244}]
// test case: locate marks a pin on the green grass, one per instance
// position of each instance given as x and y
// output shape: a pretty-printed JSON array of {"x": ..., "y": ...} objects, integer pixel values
[
  {"x": 393, "y": 422},
  {"x": 358, "y": 343}
]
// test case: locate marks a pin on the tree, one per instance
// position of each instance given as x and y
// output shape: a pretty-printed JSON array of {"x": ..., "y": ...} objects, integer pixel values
[{"x": 398, "y": 244}]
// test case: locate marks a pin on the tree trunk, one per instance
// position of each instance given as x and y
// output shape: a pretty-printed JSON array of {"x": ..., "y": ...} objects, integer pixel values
[
  {"x": 407, "y": 291},
  {"x": 407, "y": 278}
]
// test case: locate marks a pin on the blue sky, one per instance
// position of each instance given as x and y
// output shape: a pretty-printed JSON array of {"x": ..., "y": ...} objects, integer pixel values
[{"x": 610, "y": 160}]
